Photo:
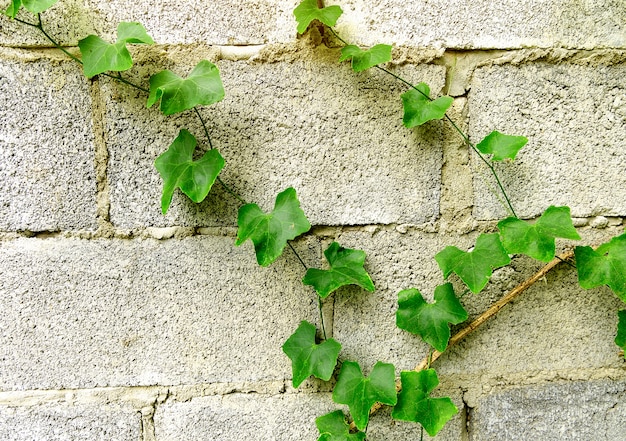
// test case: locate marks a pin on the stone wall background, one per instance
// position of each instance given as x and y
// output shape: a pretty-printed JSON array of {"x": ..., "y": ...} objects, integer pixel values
[{"x": 119, "y": 323}]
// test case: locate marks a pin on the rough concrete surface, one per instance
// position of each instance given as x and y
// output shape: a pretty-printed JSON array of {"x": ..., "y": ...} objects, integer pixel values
[
  {"x": 70, "y": 422},
  {"x": 575, "y": 120},
  {"x": 335, "y": 136},
  {"x": 577, "y": 411},
  {"x": 46, "y": 146},
  {"x": 108, "y": 313}
]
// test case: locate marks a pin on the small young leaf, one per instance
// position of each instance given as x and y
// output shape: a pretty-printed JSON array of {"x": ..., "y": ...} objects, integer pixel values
[
  {"x": 203, "y": 86},
  {"x": 333, "y": 427},
  {"x": 430, "y": 320},
  {"x": 501, "y": 146},
  {"x": 604, "y": 266},
  {"x": 100, "y": 56},
  {"x": 34, "y": 6},
  {"x": 270, "y": 232},
  {"x": 308, "y": 358},
  {"x": 474, "y": 267},
  {"x": 346, "y": 268},
  {"x": 364, "y": 59},
  {"x": 307, "y": 11},
  {"x": 360, "y": 393},
  {"x": 538, "y": 240},
  {"x": 415, "y": 404},
  {"x": 418, "y": 108},
  {"x": 179, "y": 170},
  {"x": 620, "y": 340}
]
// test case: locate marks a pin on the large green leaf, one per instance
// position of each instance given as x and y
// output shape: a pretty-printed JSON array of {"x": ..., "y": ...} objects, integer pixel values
[
  {"x": 333, "y": 427},
  {"x": 501, "y": 146},
  {"x": 604, "y": 266},
  {"x": 538, "y": 240},
  {"x": 620, "y": 339},
  {"x": 474, "y": 267},
  {"x": 100, "y": 56},
  {"x": 179, "y": 170},
  {"x": 360, "y": 393},
  {"x": 309, "y": 358},
  {"x": 430, "y": 320},
  {"x": 346, "y": 268},
  {"x": 419, "y": 108},
  {"x": 307, "y": 11},
  {"x": 34, "y": 6},
  {"x": 270, "y": 232},
  {"x": 203, "y": 86},
  {"x": 415, "y": 404},
  {"x": 364, "y": 59}
]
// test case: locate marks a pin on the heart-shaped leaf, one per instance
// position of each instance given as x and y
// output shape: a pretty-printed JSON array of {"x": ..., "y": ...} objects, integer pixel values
[
  {"x": 270, "y": 232},
  {"x": 538, "y": 240},
  {"x": 604, "y": 266},
  {"x": 419, "y": 108},
  {"x": 333, "y": 427},
  {"x": 415, "y": 404},
  {"x": 620, "y": 339},
  {"x": 203, "y": 86},
  {"x": 364, "y": 59},
  {"x": 430, "y": 320},
  {"x": 360, "y": 393},
  {"x": 179, "y": 170},
  {"x": 501, "y": 146},
  {"x": 34, "y": 6},
  {"x": 100, "y": 56},
  {"x": 307, "y": 11},
  {"x": 474, "y": 267},
  {"x": 309, "y": 358},
  {"x": 346, "y": 268}
]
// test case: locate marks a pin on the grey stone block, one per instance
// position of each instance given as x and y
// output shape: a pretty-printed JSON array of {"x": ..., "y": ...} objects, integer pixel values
[
  {"x": 70, "y": 422},
  {"x": 594, "y": 410},
  {"x": 334, "y": 135},
  {"x": 47, "y": 148},
  {"x": 575, "y": 119},
  {"x": 471, "y": 24},
  {"x": 97, "y": 313},
  {"x": 287, "y": 417},
  {"x": 167, "y": 22}
]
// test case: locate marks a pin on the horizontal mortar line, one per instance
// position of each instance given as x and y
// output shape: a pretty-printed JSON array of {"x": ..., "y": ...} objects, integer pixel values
[{"x": 142, "y": 396}]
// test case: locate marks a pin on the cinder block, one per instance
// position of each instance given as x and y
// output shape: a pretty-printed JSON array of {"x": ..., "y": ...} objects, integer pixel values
[
  {"x": 471, "y": 24},
  {"x": 594, "y": 410},
  {"x": 311, "y": 123},
  {"x": 61, "y": 422},
  {"x": 575, "y": 119},
  {"x": 47, "y": 148},
  {"x": 287, "y": 417},
  {"x": 221, "y": 22},
  {"x": 81, "y": 314}
]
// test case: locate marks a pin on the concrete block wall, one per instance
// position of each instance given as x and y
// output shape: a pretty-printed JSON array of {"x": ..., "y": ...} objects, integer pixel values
[{"x": 120, "y": 323}]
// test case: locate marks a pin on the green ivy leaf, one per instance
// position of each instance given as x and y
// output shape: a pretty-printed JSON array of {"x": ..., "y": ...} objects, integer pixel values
[
  {"x": 430, "y": 320},
  {"x": 309, "y": 358},
  {"x": 418, "y": 108},
  {"x": 620, "y": 340},
  {"x": 501, "y": 146},
  {"x": 307, "y": 11},
  {"x": 34, "y": 6},
  {"x": 179, "y": 170},
  {"x": 203, "y": 86},
  {"x": 474, "y": 267},
  {"x": 604, "y": 266},
  {"x": 364, "y": 59},
  {"x": 346, "y": 268},
  {"x": 360, "y": 393},
  {"x": 270, "y": 232},
  {"x": 538, "y": 240},
  {"x": 100, "y": 56},
  {"x": 333, "y": 427},
  {"x": 415, "y": 404}
]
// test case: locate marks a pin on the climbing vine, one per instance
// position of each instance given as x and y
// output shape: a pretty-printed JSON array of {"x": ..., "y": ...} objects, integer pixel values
[{"x": 272, "y": 232}]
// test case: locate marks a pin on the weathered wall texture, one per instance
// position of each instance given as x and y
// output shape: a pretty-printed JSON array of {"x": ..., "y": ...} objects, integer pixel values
[{"x": 119, "y": 323}]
